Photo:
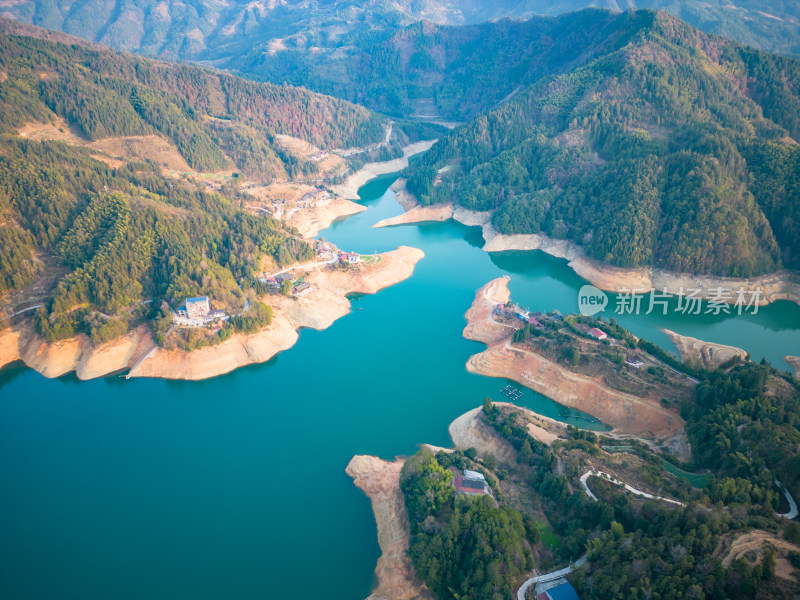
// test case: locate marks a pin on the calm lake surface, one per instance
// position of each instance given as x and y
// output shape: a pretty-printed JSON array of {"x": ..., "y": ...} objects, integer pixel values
[{"x": 235, "y": 487}]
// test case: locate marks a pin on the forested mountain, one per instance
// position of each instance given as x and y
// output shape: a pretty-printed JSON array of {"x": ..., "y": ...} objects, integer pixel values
[
  {"x": 221, "y": 32},
  {"x": 103, "y": 240},
  {"x": 451, "y": 73},
  {"x": 677, "y": 150}
]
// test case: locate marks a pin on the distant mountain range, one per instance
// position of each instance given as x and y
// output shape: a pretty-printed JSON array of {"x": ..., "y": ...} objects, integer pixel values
[{"x": 221, "y": 31}]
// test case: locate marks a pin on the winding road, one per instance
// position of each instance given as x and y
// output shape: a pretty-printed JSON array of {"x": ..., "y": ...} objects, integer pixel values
[
  {"x": 792, "y": 504},
  {"x": 549, "y": 577},
  {"x": 523, "y": 590},
  {"x": 612, "y": 479}
]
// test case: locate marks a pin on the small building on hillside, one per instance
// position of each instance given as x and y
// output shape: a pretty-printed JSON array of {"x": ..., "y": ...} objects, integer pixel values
[
  {"x": 471, "y": 483},
  {"x": 349, "y": 257},
  {"x": 302, "y": 288},
  {"x": 284, "y": 277},
  {"x": 323, "y": 249},
  {"x": 563, "y": 591},
  {"x": 198, "y": 308},
  {"x": 598, "y": 334}
]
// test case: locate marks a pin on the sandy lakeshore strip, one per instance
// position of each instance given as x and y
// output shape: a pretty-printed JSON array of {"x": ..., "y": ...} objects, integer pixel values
[
  {"x": 783, "y": 285},
  {"x": 795, "y": 362},
  {"x": 349, "y": 189},
  {"x": 708, "y": 354},
  {"x": 380, "y": 480},
  {"x": 310, "y": 221},
  {"x": 626, "y": 413},
  {"x": 136, "y": 350}
]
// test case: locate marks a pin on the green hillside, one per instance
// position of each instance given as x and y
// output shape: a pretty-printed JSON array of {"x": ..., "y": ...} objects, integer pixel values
[
  {"x": 676, "y": 150},
  {"x": 102, "y": 241},
  {"x": 447, "y": 72}
]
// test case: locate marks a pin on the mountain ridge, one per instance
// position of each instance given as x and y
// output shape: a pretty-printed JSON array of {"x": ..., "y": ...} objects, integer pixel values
[{"x": 674, "y": 133}]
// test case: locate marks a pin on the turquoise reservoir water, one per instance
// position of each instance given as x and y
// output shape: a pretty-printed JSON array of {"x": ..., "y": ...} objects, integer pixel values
[{"x": 235, "y": 487}]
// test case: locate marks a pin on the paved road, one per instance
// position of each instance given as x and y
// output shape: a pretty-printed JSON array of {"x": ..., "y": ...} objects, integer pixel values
[
  {"x": 792, "y": 504},
  {"x": 632, "y": 490},
  {"x": 549, "y": 577}
]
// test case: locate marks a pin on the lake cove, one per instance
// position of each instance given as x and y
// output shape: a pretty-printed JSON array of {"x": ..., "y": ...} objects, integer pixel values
[{"x": 235, "y": 486}]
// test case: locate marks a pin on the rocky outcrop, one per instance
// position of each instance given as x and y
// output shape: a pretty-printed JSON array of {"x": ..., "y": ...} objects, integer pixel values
[
  {"x": 75, "y": 354},
  {"x": 708, "y": 354},
  {"x": 469, "y": 431},
  {"x": 626, "y": 413},
  {"x": 380, "y": 480}
]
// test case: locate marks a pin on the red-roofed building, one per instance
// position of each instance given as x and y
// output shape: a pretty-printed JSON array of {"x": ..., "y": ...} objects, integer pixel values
[
  {"x": 471, "y": 483},
  {"x": 597, "y": 334}
]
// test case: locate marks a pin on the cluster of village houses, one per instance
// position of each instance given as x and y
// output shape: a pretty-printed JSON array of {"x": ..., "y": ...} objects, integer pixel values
[
  {"x": 310, "y": 199},
  {"x": 512, "y": 311},
  {"x": 327, "y": 252},
  {"x": 324, "y": 251}
]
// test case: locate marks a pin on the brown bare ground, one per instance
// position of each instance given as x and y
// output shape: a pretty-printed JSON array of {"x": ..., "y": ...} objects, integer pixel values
[
  {"x": 632, "y": 415},
  {"x": 709, "y": 354},
  {"x": 795, "y": 362},
  {"x": 420, "y": 214},
  {"x": 116, "y": 150},
  {"x": 469, "y": 431},
  {"x": 330, "y": 165},
  {"x": 75, "y": 354},
  {"x": 143, "y": 147},
  {"x": 380, "y": 480},
  {"x": 754, "y": 542}
]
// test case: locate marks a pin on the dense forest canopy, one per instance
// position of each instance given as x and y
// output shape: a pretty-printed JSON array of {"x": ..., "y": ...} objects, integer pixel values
[
  {"x": 677, "y": 150},
  {"x": 744, "y": 430},
  {"x": 105, "y": 94},
  {"x": 106, "y": 241},
  {"x": 450, "y": 72}
]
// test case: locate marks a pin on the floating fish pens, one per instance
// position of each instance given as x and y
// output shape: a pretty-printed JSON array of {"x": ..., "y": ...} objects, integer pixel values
[{"x": 511, "y": 392}]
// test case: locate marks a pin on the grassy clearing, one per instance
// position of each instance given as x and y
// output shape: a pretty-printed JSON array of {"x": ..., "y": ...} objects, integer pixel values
[
  {"x": 549, "y": 539},
  {"x": 696, "y": 480}
]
